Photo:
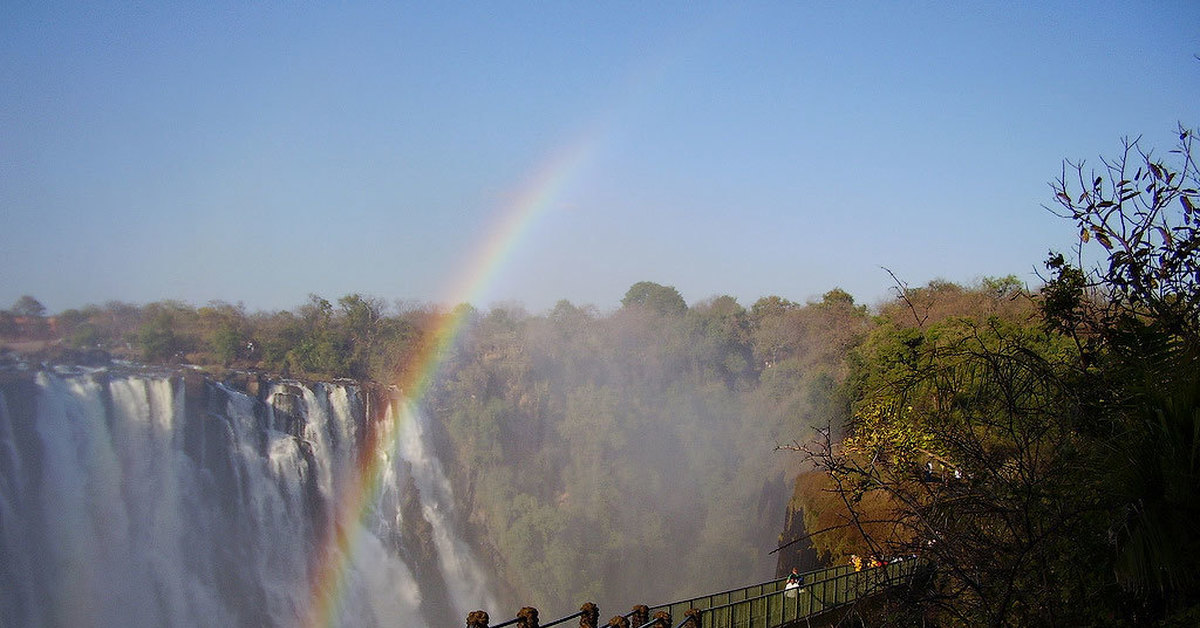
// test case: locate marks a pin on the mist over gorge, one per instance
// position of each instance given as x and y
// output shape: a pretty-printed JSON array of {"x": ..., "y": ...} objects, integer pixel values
[{"x": 631, "y": 456}]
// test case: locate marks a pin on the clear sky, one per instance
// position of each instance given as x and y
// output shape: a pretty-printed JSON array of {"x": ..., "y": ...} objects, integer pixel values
[{"x": 262, "y": 151}]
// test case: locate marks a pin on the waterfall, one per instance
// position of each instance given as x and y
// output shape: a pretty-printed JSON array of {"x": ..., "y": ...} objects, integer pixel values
[
  {"x": 465, "y": 578},
  {"x": 133, "y": 499}
]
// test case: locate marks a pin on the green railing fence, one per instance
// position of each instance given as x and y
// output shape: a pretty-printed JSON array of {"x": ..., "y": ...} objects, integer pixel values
[
  {"x": 733, "y": 596},
  {"x": 769, "y": 605},
  {"x": 822, "y": 591}
]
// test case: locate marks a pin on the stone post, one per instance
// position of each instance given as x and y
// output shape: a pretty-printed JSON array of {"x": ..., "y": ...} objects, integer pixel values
[
  {"x": 693, "y": 618},
  {"x": 527, "y": 617},
  {"x": 662, "y": 619},
  {"x": 477, "y": 619},
  {"x": 618, "y": 622},
  {"x": 591, "y": 615},
  {"x": 639, "y": 617}
]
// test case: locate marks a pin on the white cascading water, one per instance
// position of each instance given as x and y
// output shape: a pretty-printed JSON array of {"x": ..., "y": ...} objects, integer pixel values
[
  {"x": 465, "y": 579},
  {"x": 123, "y": 503}
]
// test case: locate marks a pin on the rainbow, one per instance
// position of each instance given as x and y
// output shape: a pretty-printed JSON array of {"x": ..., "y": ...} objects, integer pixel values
[{"x": 536, "y": 197}]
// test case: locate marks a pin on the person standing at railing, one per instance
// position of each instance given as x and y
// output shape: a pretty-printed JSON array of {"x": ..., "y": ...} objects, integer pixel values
[{"x": 794, "y": 580}]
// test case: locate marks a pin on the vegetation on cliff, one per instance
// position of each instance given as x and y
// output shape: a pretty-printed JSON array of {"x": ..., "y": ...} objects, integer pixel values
[{"x": 1040, "y": 449}]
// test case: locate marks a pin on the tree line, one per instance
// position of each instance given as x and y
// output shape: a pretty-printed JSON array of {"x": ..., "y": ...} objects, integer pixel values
[{"x": 354, "y": 337}]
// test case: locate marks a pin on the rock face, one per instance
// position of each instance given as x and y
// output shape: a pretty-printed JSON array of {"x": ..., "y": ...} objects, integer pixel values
[
  {"x": 131, "y": 498},
  {"x": 801, "y": 555}
]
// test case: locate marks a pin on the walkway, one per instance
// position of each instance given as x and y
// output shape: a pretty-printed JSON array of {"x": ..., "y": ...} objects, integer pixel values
[{"x": 765, "y": 605}]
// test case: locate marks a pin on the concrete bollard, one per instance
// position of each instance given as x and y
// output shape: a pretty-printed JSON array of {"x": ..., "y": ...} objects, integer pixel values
[
  {"x": 591, "y": 615},
  {"x": 477, "y": 619},
  {"x": 527, "y": 617},
  {"x": 640, "y": 616}
]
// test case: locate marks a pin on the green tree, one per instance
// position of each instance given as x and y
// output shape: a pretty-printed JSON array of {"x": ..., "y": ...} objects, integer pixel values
[
  {"x": 29, "y": 307},
  {"x": 655, "y": 297},
  {"x": 223, "y": 329},
  {"x": 32, "y": 311},
  {"x": 86, "y": 335},
  {"x": 1136, "y": 319},
  {"x": 771, "y": 305},
  {"x": 69, "y": 320},
  {"x": 720, "y": 341},
  {"x": 837, "y": 298},
  {"x": 310, "y": 343},
  {"x": 226, "y": 342},
  {"x": 362, "y": 321},
  {"x": 118, "y": 324},
  {"x": 156, "y": 337}
]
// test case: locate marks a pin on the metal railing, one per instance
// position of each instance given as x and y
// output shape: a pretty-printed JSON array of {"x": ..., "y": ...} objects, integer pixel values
[
  {"x": 825, "y": 591},
  {"x": 769, "y": 605},
  {"x": 676, "y": 609}
]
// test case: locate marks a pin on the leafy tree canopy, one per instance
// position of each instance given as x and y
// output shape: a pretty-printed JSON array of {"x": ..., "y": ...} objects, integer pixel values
[
  {"x": 655, "y": 297},
  {"x": 28, "y": 306}
]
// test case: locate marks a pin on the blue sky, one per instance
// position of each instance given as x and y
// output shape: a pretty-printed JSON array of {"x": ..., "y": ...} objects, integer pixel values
[{"x": 259, "y": 152}]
